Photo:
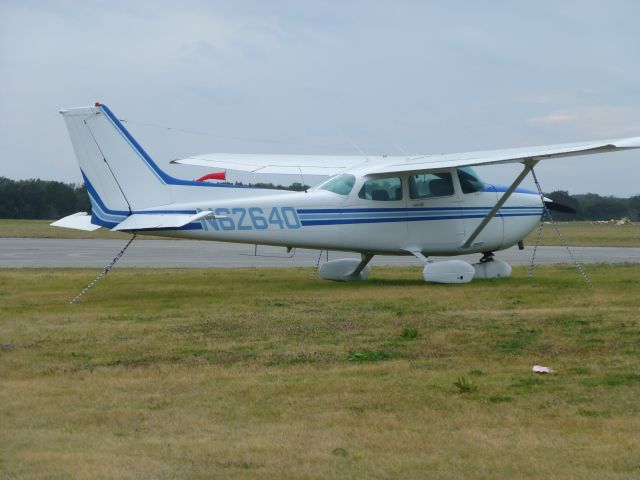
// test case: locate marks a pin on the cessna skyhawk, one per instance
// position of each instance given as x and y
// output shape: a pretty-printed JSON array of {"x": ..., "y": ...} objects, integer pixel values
[{"x": 421, "y": 205}]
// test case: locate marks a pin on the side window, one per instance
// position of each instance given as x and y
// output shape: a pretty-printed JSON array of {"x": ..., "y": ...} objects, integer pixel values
[
  {"x": 382, "y": 189},
  {"x": 469, "y": 180},
  {"x": 342, "y": 184},
  {"x": 429, "y": 185}
]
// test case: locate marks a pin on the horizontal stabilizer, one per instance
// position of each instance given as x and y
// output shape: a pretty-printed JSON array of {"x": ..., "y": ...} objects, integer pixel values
[
  {"x": 150, "y": 221},
  {"x": 78, "y": 221}
]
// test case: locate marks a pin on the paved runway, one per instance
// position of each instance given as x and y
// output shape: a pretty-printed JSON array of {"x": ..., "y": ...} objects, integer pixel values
[{"x": 92, "y": 253}]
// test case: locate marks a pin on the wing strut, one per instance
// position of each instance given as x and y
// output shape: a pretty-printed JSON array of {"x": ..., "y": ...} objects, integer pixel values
[{"x": 528, "y": 166}]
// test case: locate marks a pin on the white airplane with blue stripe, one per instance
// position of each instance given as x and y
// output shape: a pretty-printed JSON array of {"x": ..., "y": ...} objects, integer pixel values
[{"x": 420, "y": 205}]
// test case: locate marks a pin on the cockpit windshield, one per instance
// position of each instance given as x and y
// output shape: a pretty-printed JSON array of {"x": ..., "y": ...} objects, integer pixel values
[
  {"x": 469, "y": 180},
  {"x": 340, "y": 184}
]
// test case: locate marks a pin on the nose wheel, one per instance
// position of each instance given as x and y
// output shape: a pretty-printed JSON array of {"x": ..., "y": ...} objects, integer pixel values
[
  {"x": 490, "y": 267},
  {"x": 487, "y": 257}
]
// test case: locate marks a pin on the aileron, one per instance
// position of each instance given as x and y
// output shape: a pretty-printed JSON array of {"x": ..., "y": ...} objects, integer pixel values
[{"x": 514, "y": 155}]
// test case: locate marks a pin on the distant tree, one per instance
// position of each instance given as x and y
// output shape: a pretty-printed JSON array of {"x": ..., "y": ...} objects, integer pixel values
[
  {"x": 634, "y": 208},
  {"x": 595, "y": 207},
  {"x": 296, "y": 186},
  {"x": 82, "y": 199},
  {"x": 562, "y": 197},
  {"x": 35, "y": 198}
]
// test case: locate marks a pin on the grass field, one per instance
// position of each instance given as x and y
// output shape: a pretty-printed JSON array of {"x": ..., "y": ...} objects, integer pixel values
[
  {"x": 577, "y": 233},
  {"x": 270, "y": 374},
  {"x": 43, "y": 229},
  {"x": 588, "y": 234}
]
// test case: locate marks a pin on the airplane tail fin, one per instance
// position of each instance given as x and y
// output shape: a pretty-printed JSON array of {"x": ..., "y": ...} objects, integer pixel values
[
  {"x": 119, "y": 175},
  {"x": 123, "y": 180}
]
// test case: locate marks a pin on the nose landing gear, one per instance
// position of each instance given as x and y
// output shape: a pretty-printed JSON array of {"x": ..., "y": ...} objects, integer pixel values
[
  {"x": 487, "y": 257},
  {"x": 490, "y": 267}
]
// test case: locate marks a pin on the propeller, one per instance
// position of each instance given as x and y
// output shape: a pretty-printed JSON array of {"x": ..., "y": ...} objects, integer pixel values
[{"x": 559, "y": 207}]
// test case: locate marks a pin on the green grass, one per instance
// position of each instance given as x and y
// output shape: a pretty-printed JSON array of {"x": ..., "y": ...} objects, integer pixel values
[
  {"x": 249, "y": 373},
  {"x": 586, "y": 234},
  {"x": 577, "y": 233}
]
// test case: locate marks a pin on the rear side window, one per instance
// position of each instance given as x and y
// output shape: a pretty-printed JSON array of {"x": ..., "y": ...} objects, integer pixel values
[
  {"x": 469, "y": 180},
  {"x": 430, "y": 185},
  {"x": 382, "y": 189}
]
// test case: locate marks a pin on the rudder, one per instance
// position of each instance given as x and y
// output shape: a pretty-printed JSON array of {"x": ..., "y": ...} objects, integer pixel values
[{"x": 119, "y": 175}]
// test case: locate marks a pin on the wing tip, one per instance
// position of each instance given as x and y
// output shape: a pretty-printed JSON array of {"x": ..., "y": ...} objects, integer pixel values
[{"x": 630, "y": 142}]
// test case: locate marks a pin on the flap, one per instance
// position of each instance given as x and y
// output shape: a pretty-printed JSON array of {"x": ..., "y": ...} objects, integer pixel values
[{"x": 325, "y": 165}]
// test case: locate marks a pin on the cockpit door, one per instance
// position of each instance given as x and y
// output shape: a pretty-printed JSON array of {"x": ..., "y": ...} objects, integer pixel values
[
  {"x": 434, "y": 215},
  {"x": 375, "y": 214}
]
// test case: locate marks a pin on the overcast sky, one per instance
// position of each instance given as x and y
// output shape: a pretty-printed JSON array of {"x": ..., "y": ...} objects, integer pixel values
[{"x": 320, "y": 76}]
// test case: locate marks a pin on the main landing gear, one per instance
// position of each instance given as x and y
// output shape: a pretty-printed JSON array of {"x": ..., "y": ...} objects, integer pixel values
[
  {"x": 459, "y": 271},
  {"x": 446, "y": 271},
  {"x": 347, "y": 269}
]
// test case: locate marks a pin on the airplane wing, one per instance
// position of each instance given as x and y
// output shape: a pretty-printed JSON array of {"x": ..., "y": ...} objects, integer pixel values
[
  {"x": 528, "y": 156},
  {"x": 281, "y": 164},
  {"x": 513, "y": 155},
  {"x": 372, "y": 165}
]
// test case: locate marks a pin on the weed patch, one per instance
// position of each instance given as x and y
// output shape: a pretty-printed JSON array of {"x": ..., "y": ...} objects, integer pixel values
[
  {"x": 529, "y": 383},
  {"x": 465, "y": 385},
  {"x": 614, "y": 380},
  {"x": 499, "y": 399},
  {"x": 410, "y": 333},
  {"x": 340, "y": 452},
  {"x": 517, "y": 343},
  {"x": 360, "y": 356}
]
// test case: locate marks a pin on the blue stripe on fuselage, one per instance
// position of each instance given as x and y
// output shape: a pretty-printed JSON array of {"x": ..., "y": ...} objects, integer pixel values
[
  {"x": 303, "y": 211},
  {"x": 337, "y": 216},
  {"x": 503, "y": 188},
  {"x": 344, "y": 221}
]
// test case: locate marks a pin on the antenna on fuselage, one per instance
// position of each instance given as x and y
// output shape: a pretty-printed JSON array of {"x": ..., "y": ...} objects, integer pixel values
[
  {"x": 397, "y": 145},
  {"x": 355, "y": 145},
  {"x": 304, "y": 185}
]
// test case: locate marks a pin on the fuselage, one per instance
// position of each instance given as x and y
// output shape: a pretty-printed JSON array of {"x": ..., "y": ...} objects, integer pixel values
[{"x": 396, "y": 216}]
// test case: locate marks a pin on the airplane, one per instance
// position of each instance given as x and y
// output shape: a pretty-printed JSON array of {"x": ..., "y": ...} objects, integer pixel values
[{"x": 420, "y": 205}]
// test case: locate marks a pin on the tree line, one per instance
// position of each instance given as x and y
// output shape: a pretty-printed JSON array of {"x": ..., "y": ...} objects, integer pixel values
[
  {"x": 41, "y": 199},
  {"x": 45, "y": 199},
  {"x": 50, "y": 200},
  {"x": 591, "y": 206}
]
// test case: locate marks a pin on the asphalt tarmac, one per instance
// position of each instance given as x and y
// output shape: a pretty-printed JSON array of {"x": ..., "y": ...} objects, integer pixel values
[{"x": 92, "y": 253}]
